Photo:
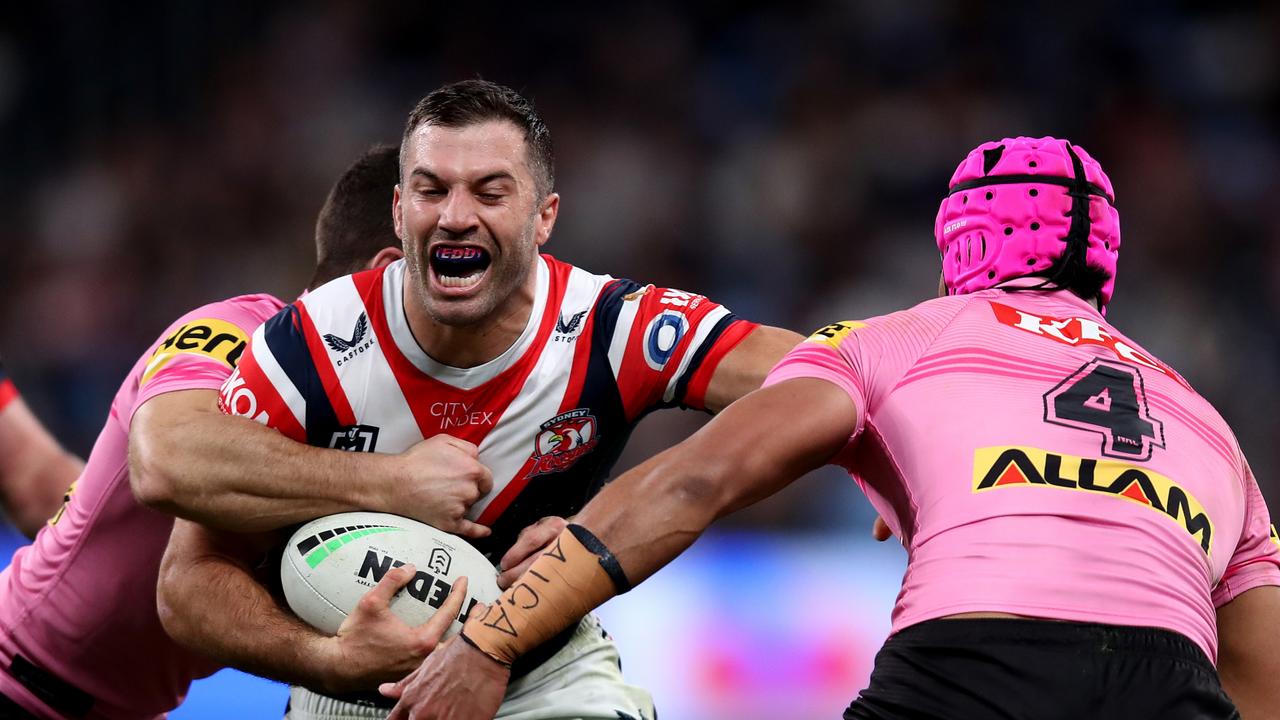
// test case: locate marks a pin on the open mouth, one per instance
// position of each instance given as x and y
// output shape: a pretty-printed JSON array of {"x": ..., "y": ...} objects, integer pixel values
[{"x": 459, "y": 267}]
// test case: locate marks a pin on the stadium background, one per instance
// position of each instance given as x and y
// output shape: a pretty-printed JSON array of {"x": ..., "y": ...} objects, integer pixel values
[{"x": 785, "y": 161}]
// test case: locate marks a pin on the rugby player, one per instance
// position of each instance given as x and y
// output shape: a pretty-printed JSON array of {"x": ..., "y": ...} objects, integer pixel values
[
  {"x": 80, "y": 635},
  {"x": 35, "y": 471},
  {"x": 545, "y": 366},
  {"x": 1037, "y": 464}
]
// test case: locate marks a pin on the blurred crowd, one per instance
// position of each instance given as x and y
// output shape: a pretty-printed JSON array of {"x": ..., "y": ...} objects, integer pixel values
[{"x": 785, "y": 160}]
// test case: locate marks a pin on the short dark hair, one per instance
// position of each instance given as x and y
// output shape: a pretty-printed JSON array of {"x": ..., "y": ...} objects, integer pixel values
[
  {"x": 470, "y": 102},
  {"x": 356, "y": 222}
]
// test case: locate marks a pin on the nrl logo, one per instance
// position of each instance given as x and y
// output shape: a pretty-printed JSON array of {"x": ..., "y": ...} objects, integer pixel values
[{"x": 353, "y": 347}]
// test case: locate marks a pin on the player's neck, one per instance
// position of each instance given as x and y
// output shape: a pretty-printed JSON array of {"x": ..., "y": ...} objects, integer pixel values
[{"x": 465, "y": 346}]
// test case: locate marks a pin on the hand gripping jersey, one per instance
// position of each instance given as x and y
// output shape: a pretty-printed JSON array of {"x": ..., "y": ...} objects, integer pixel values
[
  {"x": 1036, "y": 461},
  {"x": 340, "y": 368},
  {"x": 79, "y": 604}
]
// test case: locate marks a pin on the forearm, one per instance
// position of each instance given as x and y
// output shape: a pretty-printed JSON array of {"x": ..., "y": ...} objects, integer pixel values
[
  {"x": 189, "y": 460},
  {"x": 653, "y": 513},
  {"x": 35, "y": 472},
  {"x": 211, "y": 603}
]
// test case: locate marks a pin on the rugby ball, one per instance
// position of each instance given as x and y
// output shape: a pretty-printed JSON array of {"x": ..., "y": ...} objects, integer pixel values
[{"x": 331, "y": 562}]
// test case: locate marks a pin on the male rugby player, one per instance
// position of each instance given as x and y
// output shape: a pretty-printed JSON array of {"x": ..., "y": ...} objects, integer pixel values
[
  {"x": 545, "y": 366},
  {"x": 1037, "y": 464},
  {"x": 79, "y": 632},
  {"x": 35, "y": 471}
]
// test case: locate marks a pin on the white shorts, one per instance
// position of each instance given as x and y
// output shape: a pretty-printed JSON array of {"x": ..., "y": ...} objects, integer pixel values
[{"x": 583, "y": 681}]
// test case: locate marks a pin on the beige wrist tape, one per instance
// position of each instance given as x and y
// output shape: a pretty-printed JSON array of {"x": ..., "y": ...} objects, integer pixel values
[{"x": 563, "y": 585}]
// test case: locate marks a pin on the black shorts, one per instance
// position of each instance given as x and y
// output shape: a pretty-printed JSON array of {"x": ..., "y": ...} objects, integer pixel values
[{"x": 1040, "y": 670}]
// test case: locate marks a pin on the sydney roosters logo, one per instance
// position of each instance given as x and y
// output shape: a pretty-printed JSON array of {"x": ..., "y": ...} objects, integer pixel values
[{"x": 564, "y": 439}]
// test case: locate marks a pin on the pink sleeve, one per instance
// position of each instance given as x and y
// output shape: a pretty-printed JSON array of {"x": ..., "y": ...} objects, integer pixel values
[
  {"x": 1256, "y": 560},
  {"x": 827, "y": 355},
  {"x": 199, "y": 351}
]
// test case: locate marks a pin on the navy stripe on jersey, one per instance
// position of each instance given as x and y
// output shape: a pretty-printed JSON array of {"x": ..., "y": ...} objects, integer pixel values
[
  {"x": 288, "y": 345},
  {"x": 3, "y": 375},
  {"x": 564, "y": 493},
  {"x": 608, "y": 307},
  {"x": 682, "y": 387}
]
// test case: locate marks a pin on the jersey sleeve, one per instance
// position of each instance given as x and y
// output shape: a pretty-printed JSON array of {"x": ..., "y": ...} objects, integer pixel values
[
  {"x": 824, "y": 355},
  {"x": 7, "y": 390},
  {"x": 265, "y": 384},
  {"x": 198, "y": 352},
  {"x": 1256, "y": 559},
  {"x": 666, "y": 344}
]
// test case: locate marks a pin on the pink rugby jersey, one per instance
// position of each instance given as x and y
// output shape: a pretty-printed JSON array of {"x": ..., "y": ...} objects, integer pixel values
[
  {"x": 1036, "y": 461},
  {"x": 79, "y": 604},
  {"x": 340, "y": 368}
]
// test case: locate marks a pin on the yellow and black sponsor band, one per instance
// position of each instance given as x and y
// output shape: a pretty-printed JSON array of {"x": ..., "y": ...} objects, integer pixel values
[
  {"x": 1010, "y": 466},
  {"x": 210, "y": 337},
  {"x": 835, "y": 333}
]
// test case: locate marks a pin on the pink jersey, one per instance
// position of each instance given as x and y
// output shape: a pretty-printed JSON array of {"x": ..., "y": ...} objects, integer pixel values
[
  {"x": 80, "y": 602},
  {"x": 1035, "y": 461}
]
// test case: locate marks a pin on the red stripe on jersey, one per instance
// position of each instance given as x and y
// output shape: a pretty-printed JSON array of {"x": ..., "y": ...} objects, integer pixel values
[
  {"x": 324, "y": 367},
  {"x": 423, "y": 392},
  {"x": 262, "y": 397},
  {"x": 7, "y": 392},
  {"x": 581, "y": 361},
  {"x": 695, "y": 395},
  {"x": 641, "y": 386}
]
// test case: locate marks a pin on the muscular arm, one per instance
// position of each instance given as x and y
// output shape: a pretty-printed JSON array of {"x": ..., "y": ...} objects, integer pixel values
[
  {"x": 35, "y": 471},
  {"x": 745, "y": 367},
  {"x": 188, "y": 459},
  {"x": 210, "y": 600},
  {"x": 1248, "y": 655},
  {"x": 645, "y": 518},
  {"x": 753, "y": 449}
]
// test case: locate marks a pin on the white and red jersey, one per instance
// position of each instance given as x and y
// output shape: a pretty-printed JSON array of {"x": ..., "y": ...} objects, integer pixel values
[
  {"x": 79, "y": 604},
  {"x": 1036, "y": 461},
  {"x": 340, "y": 368}
]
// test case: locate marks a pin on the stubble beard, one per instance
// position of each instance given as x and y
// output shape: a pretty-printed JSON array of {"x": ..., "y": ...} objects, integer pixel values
[{"x": 508, "y": 272}]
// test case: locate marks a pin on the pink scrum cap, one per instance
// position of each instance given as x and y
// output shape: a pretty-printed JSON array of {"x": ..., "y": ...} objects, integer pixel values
[{"x": 1016, "y": 206}]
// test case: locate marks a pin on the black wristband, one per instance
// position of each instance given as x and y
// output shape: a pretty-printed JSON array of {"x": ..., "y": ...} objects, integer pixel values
[{"x": 607, "y": 560}]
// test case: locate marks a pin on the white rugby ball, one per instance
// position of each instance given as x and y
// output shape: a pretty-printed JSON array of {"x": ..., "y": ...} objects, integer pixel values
[{"x": 331, "y": 562}]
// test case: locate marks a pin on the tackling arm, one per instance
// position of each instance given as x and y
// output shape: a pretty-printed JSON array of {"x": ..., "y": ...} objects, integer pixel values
[
  {"x": 637, "y": 524},
  {"x": 1248, "y": 655},
  {"x": 35, "y": 471},
  {"x": 188, "y": 459},
  {"x": 210, "y": 601}
]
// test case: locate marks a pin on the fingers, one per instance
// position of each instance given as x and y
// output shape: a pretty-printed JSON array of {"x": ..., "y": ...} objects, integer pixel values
[
  {"x": 506, "y": 577},
  {"x": 532, "y": 539},
  {"x": 469, "y": 529},
  {"x": 486, "y": 481},
  {"x": 380, "y": 596},
  {"x": 393, "y": 690},
  {"x": 431, "y": 630},
  {"x": 469, "y": 448},
  {"x": 880, "y": 530}
]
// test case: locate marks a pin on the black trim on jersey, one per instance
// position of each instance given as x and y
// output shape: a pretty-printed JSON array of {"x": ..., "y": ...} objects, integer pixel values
[
  {"x": 3, "y": 375},
  {"x": 288, "y": 345},
  {"x": 682, "y": 385},
  {"x": 608, "y": 307}
]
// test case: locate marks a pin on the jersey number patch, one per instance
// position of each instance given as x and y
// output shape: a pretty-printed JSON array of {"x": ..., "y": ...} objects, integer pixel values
[{"x": 1108, "y": 398}]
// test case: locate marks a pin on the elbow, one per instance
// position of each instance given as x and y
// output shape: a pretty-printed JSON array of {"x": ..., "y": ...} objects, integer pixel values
[
  {"x": 149, "y": 479},
  {"x": 168, "y": 608}
]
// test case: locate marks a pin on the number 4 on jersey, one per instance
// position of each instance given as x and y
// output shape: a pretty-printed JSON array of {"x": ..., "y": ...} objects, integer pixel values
[{"x": 1107, "y": 397}]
